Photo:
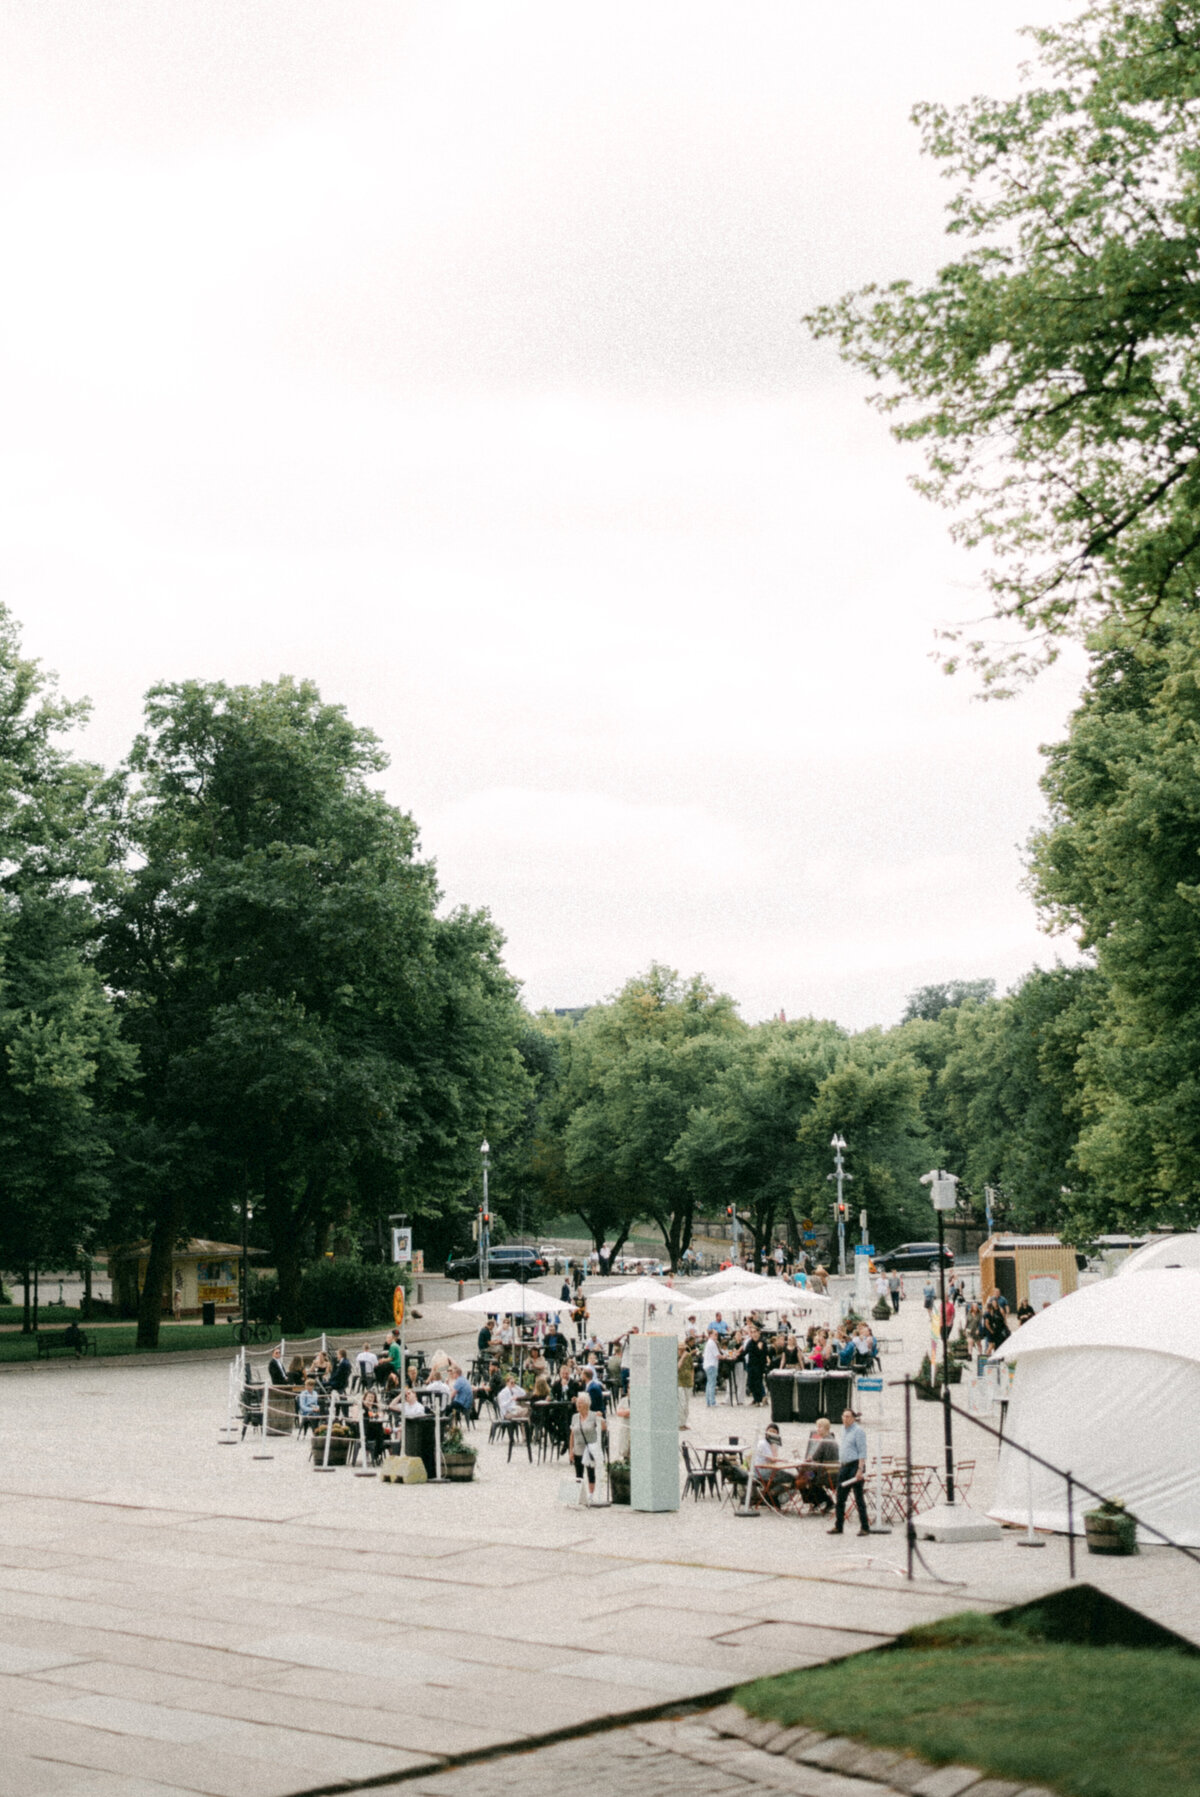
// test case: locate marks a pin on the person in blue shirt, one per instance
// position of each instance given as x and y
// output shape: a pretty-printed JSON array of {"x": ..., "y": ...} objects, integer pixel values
[
  {"x": 308, "y": 1403},
  {"x": 596, "y": 1393},
  {"x": 462, "y": 1395},
  {"x": 852, "y": 1473}
]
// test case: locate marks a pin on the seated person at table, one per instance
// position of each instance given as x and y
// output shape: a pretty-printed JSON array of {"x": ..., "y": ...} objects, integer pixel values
[
  {"x": 462, "y": 1396},
  {"x": 541, "y": 1389},
  {"x": 438, "y": 1388},
  {"x": 409, "y": 1405},
  {"x": 771, "y": 1477},
  {"x": 372, "y": 1423},
  {"x": 511, "y": 1401},
  {"x": 587, "y": 1431},
  {"x": 791, "y": 1355},
  {"x": 295, "y": 1372},
  {"x": 483, "y": 1340},
  {"x": 309, "y": 1405},
  {"x": 275, "y": 1370},
  {"x": 366, "y": 1361},
  {"x": 319, "y": 1368},
  {"x": 612, "y": 1365},
  {"x": 819, "y": 1470},
  {"x": 537, "y": 1364},
  {"x": 439, "y": 1366},
  {"x": 339, "y": 1378}
]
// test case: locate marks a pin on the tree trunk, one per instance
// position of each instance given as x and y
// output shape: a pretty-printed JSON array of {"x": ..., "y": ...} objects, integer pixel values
[
  {"x": 619, "y": 1241},
  {"x": 26, "y": 1321},
  {"x": 86, "y": 1306},
  {"x": 167, "y": 1224}
]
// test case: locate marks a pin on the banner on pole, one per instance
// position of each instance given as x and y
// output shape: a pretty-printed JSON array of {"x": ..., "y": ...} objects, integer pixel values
[
  {"x": 402, "y": 1246},
  {"x": 398, "y": 1307}
]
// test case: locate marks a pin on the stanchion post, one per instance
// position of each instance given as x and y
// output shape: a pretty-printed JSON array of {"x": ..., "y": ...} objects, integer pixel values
[
  {"x": 909, "y": 1526},
  {"x": 1070, "y": 1526}
]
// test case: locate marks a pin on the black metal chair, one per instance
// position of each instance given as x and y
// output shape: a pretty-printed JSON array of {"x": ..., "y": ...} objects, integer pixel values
[{"x": 701, "y": 1480}]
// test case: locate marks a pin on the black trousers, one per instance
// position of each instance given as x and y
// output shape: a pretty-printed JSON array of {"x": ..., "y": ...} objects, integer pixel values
[
  {"x": 848, "y": 1481},
  {"x": 895, "y": 1297}
]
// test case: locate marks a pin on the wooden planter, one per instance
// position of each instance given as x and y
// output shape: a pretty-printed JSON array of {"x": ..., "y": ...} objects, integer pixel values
[
  {"x": 459, "y": 1467},
  {"x": 1110, "y": 1532},
  {"x": 339, "y": 1448}
]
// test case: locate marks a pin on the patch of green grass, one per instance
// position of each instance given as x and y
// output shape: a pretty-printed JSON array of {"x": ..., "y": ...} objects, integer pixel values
[
  {"x": 1088, "y": 1721},
  {"x": 121, "y": 1338}
]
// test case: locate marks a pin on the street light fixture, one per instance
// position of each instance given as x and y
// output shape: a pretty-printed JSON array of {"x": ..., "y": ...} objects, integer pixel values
[
  {"x": 949, "y": 1521},
  {"x": 838, "y": 1144},
  {"x": 485, "y": 1220}
]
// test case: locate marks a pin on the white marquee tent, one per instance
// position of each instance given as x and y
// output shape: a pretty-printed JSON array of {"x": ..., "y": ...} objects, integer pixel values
[
  {"x": 1107, "y": 1387},
  {"x": 1164, "y": 1251}
]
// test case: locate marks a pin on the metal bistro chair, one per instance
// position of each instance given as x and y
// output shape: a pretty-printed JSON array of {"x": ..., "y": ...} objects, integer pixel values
[{"x": 701, "y": 1480}]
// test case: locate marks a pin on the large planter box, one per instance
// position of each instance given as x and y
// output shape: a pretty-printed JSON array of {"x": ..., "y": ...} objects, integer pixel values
[
  {"x": 1108, "y": 1533},
  {"x": 618, "y": 1481},
  {"x": 459, "y": 1467},
  {"x": 339, "y": 1449}
]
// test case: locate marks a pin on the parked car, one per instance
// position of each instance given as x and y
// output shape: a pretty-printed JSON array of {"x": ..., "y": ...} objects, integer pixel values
[
  {"x": 503, "y": 1263},
  {"x": 912, "y": 1257}
]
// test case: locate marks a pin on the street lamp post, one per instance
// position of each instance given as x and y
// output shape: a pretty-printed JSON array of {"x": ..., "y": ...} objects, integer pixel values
[
  {"x": 838, "y": 1144},
  {"x": 949, "y": 1521},
  {"x": 485, "y": 1220}
]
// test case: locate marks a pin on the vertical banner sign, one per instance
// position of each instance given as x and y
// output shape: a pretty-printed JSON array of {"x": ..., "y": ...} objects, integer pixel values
[
  {"x": 402, "y": 1246},
  {"x": 398, "y": 1307}
]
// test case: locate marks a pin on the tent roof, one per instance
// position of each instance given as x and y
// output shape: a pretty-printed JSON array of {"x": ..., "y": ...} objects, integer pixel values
[
  {"x": 1163, "y": 1252},
  {"x": 728, "y": 1276},
  {"x": 1158, "y": 1312},
  {"x": 643, "y": 1290}
]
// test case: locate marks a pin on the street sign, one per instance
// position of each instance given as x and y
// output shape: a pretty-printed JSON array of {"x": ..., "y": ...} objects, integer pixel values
[
  {"x": 398, "y": 1307},
  {"x": 870, "y": 1385},
  {"x": 402, "y": 1246}
]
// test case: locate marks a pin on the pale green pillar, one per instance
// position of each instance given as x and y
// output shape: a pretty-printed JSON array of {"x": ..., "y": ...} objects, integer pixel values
[{"x": 654, "y": 1423}]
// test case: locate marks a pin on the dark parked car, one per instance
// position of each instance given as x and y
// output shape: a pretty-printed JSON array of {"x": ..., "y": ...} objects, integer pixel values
[
  {"x": 503, "y": 1263},
  {"x": 913, "y": 1257}
]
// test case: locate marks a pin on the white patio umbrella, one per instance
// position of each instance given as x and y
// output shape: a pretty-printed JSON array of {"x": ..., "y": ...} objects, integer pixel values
[
  {"x": 509, "y": 1300},
  {"x": 644, "y": 1291},
  {"x": 728, "y": 1276},
  {"x": 768, "y": 1294}
]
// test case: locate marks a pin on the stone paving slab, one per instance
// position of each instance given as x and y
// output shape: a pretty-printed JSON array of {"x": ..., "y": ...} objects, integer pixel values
[{"x": 178, "y": 1616}]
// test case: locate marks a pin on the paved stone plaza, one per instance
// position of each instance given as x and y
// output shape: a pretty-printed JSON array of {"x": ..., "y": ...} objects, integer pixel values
[{"x": 177, "y": 1616}]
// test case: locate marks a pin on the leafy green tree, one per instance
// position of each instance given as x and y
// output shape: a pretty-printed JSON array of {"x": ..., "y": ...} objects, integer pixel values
[
  {"x": 1012, "y": 1093},
  {"x": 312, "y": 1035},
  {"x": 645, "y": 1061},
  {"x": 1119, "y": 864},
  {"x": 741, "y": 1145},
  {"x": 1050, "y": 374},
  {"x": 873, "y": 1098},
  {"x": 930, "y": 1001},
  {"x": 62, "y": 1063}
]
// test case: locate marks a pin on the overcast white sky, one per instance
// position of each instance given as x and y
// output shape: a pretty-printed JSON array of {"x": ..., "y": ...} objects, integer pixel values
[{"x": 450, "y": 354}]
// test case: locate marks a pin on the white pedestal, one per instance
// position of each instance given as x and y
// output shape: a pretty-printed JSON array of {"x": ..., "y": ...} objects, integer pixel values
[{"x": 954, "y": 1522}]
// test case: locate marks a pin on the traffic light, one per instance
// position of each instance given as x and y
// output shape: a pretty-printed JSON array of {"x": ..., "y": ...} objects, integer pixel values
[{"x": 729, "y": 1210}]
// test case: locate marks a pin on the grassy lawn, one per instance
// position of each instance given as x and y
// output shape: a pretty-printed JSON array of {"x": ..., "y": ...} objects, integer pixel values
[
  {"x": 121, "y": 1338},
  {"x": 1089, "y": 1721}
]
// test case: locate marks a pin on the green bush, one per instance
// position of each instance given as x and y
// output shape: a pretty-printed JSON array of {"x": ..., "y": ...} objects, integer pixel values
[{"x": 334, "y": 1294}]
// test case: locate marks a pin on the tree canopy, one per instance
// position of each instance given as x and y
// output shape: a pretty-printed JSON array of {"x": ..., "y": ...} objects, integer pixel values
[{"x": 1050, "y": 374}]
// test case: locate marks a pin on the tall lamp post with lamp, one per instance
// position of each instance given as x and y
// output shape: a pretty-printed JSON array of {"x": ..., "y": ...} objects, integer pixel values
[
  {"x": 838, "y": 1144},
  {"x": 949, "y": 1520},
  {"x": 485, "y": 1220}
]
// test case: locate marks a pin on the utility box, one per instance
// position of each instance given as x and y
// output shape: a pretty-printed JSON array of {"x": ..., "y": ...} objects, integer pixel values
[
  {"x": 1037, "y": 1267},
  {"x": 654, "y": 1422}
]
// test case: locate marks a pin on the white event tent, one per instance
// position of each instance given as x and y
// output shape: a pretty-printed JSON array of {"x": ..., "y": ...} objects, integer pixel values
[
  {"x": 768, "y": 1295},
  {"x": 1107, "y": 1387},
  {"x": 1164, "y": 1251}
]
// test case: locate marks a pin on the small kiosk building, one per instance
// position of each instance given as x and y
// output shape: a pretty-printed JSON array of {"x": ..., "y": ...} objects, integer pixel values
[{"x": 1037, "y": 1267}]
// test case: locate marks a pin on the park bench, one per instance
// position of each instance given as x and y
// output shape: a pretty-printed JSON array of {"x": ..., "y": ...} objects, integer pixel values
[{"x": 50, "y": 1341}]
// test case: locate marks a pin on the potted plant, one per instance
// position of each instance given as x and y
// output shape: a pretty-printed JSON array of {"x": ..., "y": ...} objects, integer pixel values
[
  {"x": 1110, "y": 1529},
  {"x": 341, "y": 1437},
  {"x": 458, "y": 1457},
  {"x": 618, "y": 1480},
  {"x": 882, "y": 1311}
]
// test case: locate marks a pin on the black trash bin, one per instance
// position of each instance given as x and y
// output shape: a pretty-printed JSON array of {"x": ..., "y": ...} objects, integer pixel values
[
  {"x": 837, "y": 1394},
  {"x": 780, "y": 1390},
  {"x": 808, "y": 1397},
  {"x": 208, "y": 1313},
  {"x": 419, "y": 1440}
]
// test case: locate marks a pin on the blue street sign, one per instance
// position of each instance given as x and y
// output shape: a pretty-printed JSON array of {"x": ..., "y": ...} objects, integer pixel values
[{"x": 870, "y": 1385}]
